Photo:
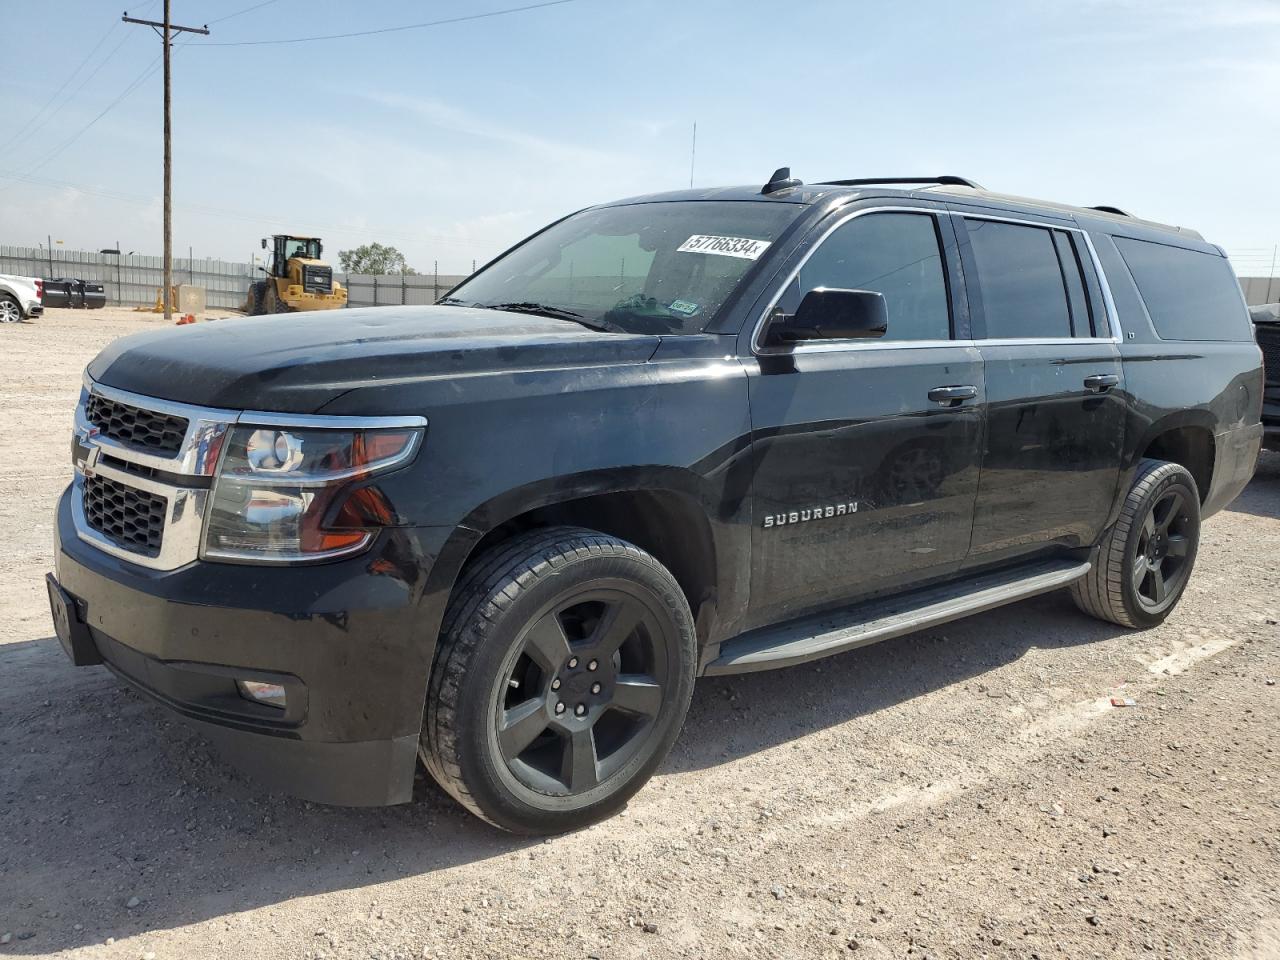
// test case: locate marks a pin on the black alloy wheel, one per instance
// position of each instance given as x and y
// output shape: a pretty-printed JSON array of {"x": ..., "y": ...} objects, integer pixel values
[
  {"x": 1143, "y": 564},
  {"x": 562, "y": 676},
  {"x": 1160, "y": 565},
  {"x": 583, "y": 690}
]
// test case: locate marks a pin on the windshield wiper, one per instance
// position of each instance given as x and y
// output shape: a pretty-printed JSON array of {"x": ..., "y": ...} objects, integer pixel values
[
  {"x": 452, "y": 301},
  {"x": 556, "y": 313}
]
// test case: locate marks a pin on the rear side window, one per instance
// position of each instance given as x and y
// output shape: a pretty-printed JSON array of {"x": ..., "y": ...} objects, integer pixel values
[
  {"x": 1021, "y": 281},
  {"x": 896, "y": 254},
  {"x": 1189, "y": 295}
]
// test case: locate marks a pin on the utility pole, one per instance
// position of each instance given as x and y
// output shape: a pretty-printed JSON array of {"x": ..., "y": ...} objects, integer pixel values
[{"x": 169, "y": 29}]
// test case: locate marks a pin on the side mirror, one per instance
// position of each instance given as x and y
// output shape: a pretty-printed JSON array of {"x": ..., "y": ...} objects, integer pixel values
[
  {"x": 264, "y": 243},
  {"x": 831, "y": 314}
]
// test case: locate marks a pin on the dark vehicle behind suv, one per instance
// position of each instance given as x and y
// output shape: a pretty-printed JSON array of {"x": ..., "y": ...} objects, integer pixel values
[
  {"x": 1266, "y": 327},
  {"x": 684, "y": 434}
]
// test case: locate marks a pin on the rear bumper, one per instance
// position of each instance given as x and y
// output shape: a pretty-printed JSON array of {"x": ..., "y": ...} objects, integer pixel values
[
  {"x": 1235, "y": 459},
  {"x": 344, "y": 639},
  {"x": 34, "y": 308}
]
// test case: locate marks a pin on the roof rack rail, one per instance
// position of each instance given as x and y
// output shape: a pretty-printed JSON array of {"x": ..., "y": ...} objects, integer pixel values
[
  {"x": 946, "y": 180},
  {"x": 1116, "y": 210}
]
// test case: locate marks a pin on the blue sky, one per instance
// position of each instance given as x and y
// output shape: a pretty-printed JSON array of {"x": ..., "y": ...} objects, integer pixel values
[{"x": 454, "y": 141}]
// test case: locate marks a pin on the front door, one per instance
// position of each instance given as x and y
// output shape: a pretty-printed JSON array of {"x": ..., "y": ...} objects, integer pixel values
[
  {"x": 863, "y": 481},
  {"x": 1055, "y": 389}
]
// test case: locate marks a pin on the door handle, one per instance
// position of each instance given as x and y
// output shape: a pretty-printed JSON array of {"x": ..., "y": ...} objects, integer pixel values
[
  {"x": 1101, "y": 382},
  {"x": 953, "y": 395}
]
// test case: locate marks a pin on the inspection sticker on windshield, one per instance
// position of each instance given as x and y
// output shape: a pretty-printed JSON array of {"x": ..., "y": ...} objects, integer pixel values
[{"x": 741, "y": 247}]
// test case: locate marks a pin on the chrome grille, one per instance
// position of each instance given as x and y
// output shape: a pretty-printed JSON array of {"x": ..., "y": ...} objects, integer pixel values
[
  {"x": 134, "y": 425},
  {"x": 1269, "y": 341},
  {"x": 132, "y": 518}
]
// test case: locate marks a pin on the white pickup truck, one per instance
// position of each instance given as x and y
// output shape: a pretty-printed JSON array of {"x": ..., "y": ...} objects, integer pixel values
[{"x": 20, "y": 298}]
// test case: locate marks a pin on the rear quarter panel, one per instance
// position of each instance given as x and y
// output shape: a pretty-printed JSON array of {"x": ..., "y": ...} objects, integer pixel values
[{"x": 1216, "y": 385}]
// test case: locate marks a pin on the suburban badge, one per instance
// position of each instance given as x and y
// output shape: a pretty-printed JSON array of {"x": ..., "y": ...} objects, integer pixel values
[{"x": 810, "y": 513}]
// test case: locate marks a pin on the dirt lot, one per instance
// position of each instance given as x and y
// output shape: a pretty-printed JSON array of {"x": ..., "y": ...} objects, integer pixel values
[{"x": 962, "y": 793}]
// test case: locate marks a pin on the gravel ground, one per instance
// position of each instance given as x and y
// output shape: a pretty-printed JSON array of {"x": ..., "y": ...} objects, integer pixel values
[{"x": 968, "y": 792}]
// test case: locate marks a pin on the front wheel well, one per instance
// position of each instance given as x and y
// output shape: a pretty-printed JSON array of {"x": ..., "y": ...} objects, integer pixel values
[
  {"x": 1192, "y": 447},
  {"x": 669, "y": 526}
]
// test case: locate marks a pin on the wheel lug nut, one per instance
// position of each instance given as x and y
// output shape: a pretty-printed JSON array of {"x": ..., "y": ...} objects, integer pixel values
[
  {"x": 592, "y": 665},
  {"x": 579, "y": 710},
  {"x": 573, "y": 662},
  {"x": 559, "y": 708},
  {"x": 595, "y": 688},
  {"x": 555, "y": 684}
]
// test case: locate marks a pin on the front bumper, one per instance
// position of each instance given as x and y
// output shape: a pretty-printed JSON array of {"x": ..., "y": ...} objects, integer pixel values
[
  {"x": 344, "y": 638},
  {"x": 1271, "y": 420}
]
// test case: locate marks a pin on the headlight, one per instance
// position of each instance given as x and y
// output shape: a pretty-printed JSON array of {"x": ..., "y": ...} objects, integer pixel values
[{"x": 277, "y": 486}]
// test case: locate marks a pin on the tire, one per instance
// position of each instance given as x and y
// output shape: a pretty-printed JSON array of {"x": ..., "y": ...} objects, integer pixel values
[
  {"x": 528, "y": 634},
  {"x": 271, "y": 302},
  {"x": 254, "y": 305},
  {"x": 10, "y": 309},
  {"x": 1145, "y": 561}
]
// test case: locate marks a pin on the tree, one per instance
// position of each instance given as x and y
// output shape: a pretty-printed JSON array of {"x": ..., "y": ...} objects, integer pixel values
[{"x": 374, "y": 258}]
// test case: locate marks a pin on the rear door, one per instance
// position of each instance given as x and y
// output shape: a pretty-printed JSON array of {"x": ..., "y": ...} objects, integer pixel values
[
  {"x": 1055, "y": 391},
  {"x": 861, "y": 480}
]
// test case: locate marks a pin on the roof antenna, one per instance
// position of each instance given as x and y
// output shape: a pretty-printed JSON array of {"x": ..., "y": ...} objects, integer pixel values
[{"x": 781, "y": 180}]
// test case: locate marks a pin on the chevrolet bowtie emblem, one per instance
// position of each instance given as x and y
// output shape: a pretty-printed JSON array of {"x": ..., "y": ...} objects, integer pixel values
[{"x": 85, "y": 455}]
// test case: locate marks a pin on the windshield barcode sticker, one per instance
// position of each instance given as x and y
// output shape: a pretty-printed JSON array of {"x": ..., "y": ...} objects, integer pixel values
[{"x": 741, "y": 247}]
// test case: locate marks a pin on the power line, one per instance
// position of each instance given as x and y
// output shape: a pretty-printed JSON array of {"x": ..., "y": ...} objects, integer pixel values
[
  {"x": 148, "y": 72},
  {"x": 407, "y": 26},
  {"x": 56, "y": 151},
  {"x": 83, "y": 83},
  {"x": 256, "y": 6},
  {"x": 17, "y": 136}
]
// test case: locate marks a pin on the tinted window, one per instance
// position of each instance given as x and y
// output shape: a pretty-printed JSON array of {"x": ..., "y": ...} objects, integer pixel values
[
  {"x": 1020, "y": 280},
  {"x": 895, "y": 254},
  {"x": 1189, "y": 295}
]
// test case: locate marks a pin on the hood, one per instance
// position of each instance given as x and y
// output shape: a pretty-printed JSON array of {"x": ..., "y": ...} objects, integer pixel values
[{"x": 296, "y": 363}]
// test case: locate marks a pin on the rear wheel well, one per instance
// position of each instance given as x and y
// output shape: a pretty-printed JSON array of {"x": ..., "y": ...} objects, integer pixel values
[
  {"x": 1192, "y": 447},
  {"x": 670, "y": 526}
]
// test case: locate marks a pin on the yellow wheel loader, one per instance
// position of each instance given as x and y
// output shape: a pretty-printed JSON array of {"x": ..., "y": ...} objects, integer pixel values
[{"x": 297, "y": 279}]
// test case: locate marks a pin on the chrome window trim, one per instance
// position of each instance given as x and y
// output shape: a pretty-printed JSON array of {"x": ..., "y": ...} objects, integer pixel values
[
  {"x": 186, "y": 507},
  {"x": 1108, "y": 302},
  {"x": 839, "y": 346}
]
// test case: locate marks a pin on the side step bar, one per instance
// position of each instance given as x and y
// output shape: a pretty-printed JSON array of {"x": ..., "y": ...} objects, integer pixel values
[{"x": 825, "y": 634}]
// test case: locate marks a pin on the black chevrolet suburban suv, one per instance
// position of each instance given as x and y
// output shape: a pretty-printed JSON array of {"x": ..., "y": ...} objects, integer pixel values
[{"x": 684, "y": 434}]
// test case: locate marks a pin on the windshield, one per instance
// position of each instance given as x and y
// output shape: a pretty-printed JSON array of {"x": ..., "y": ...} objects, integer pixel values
[
  {"x": 308, "y": 249},
  {"x": 656, "y": 268}
]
